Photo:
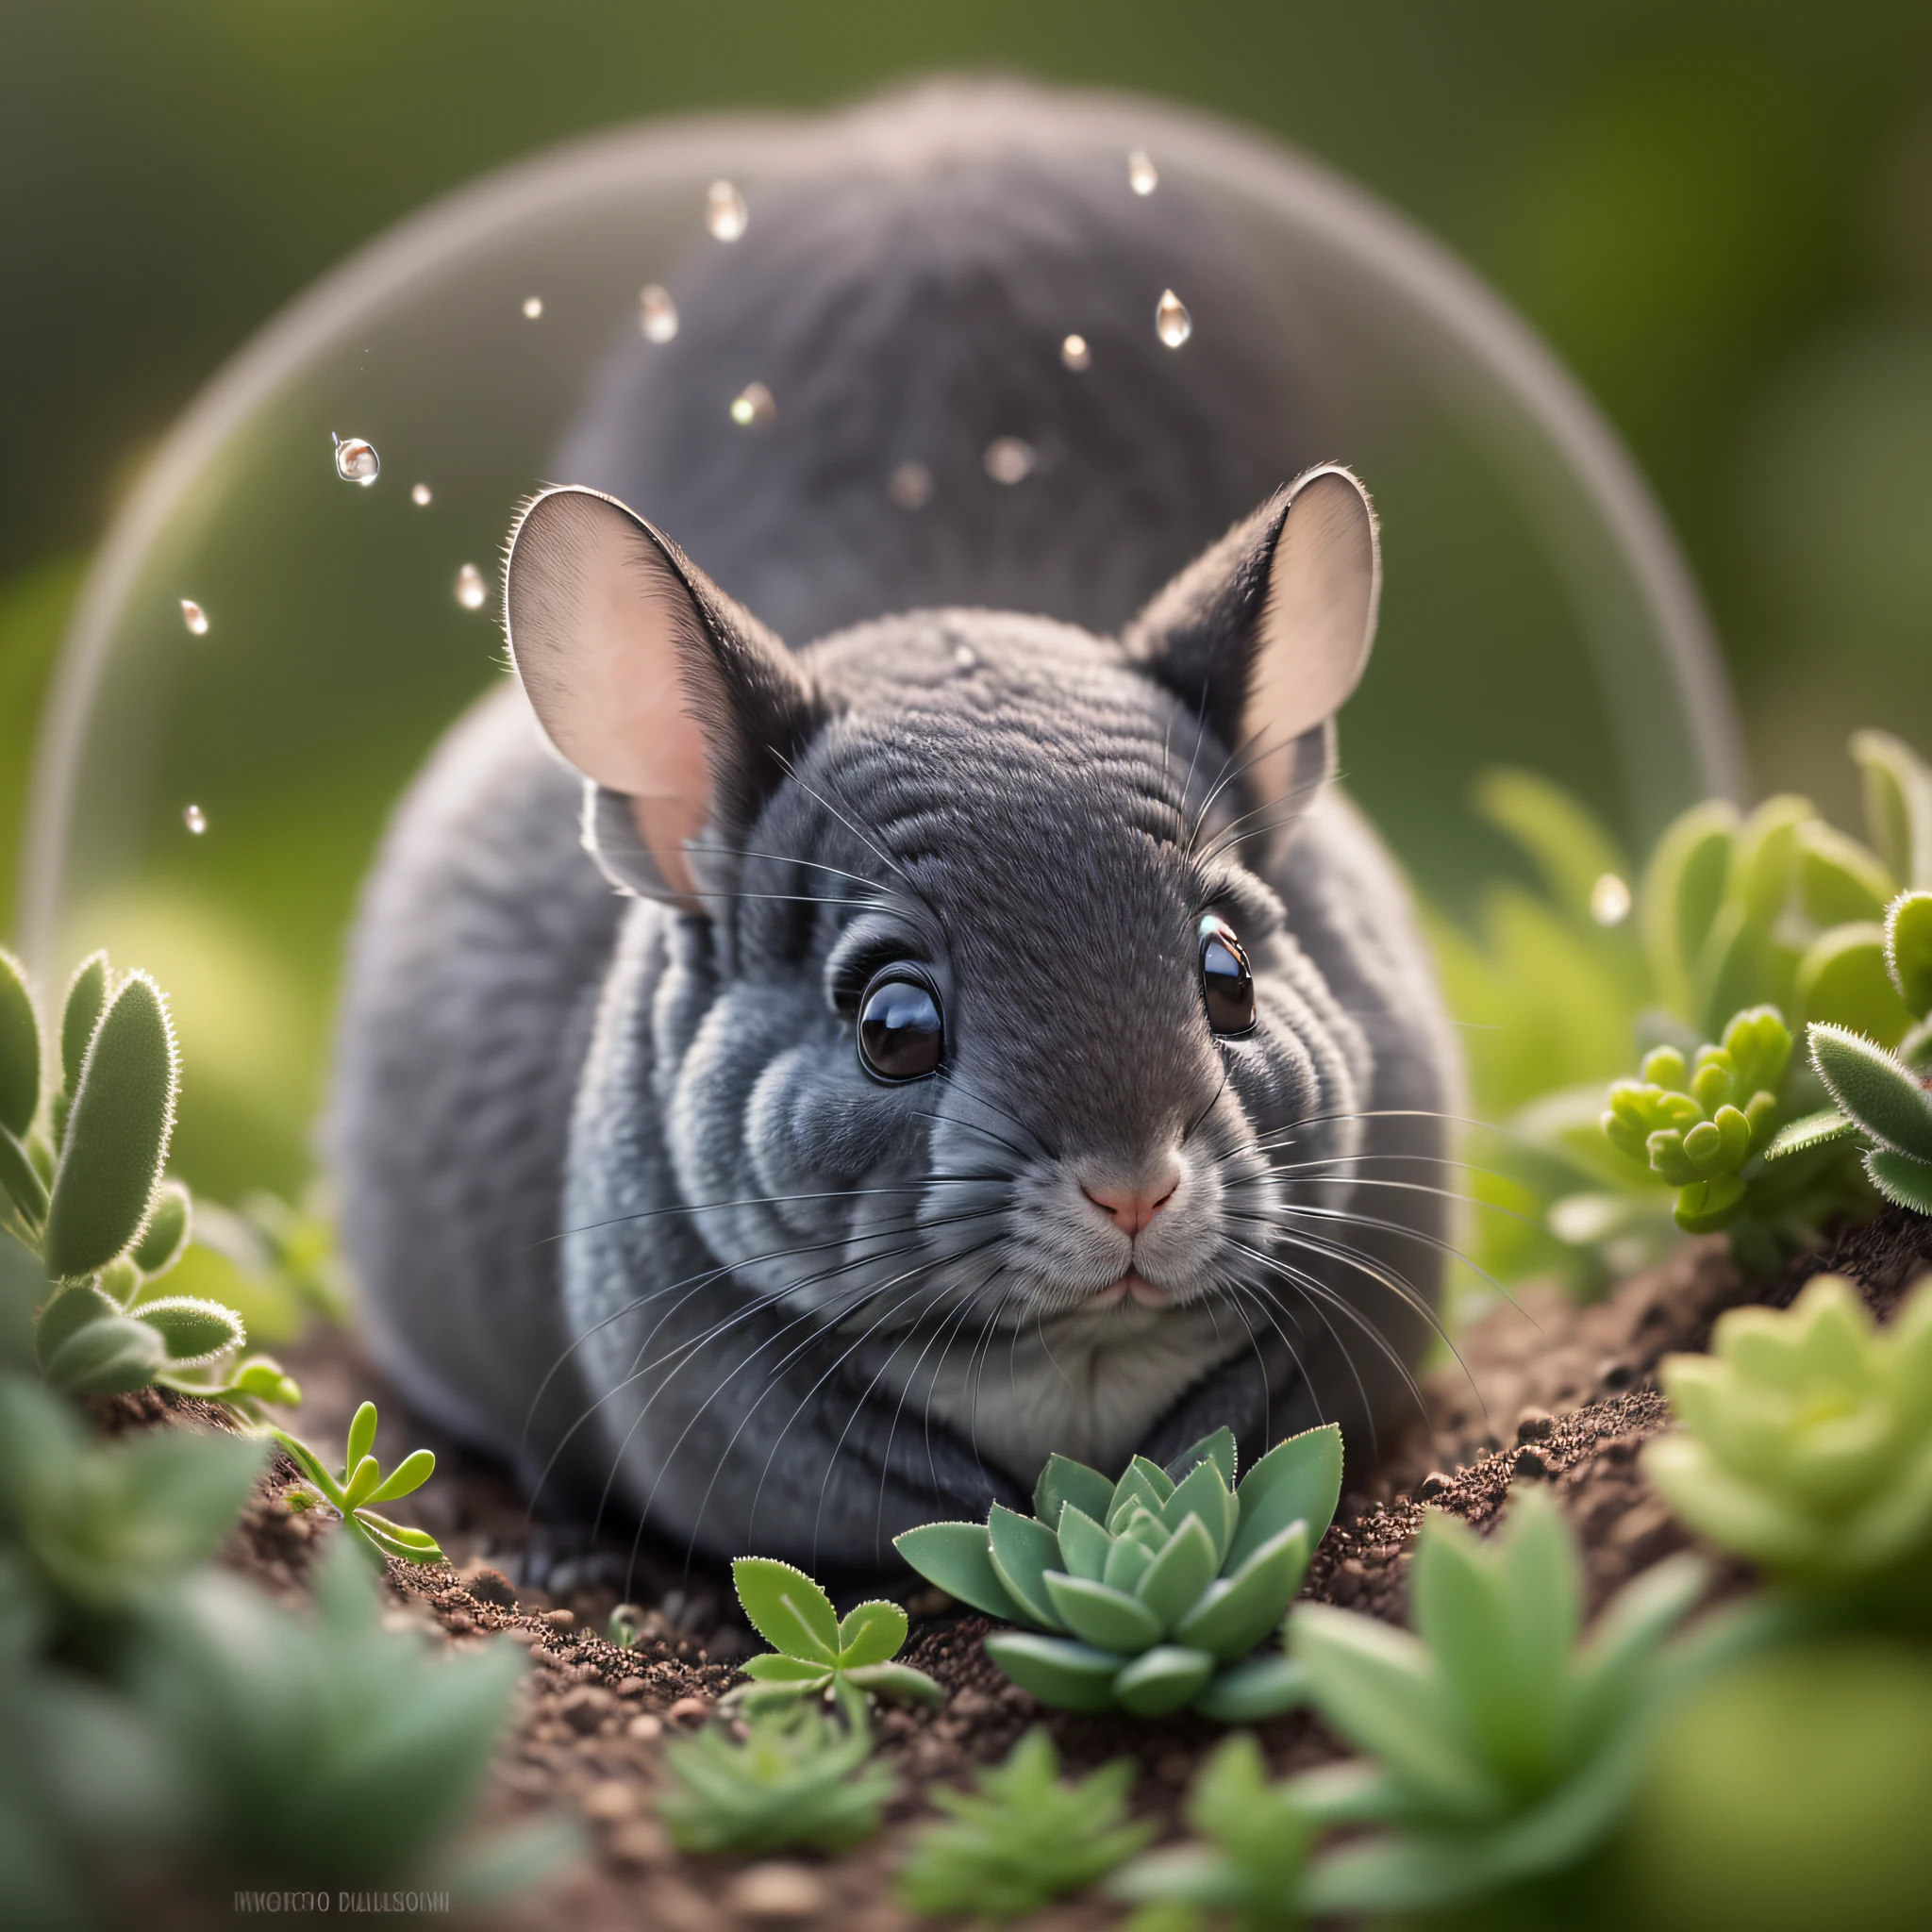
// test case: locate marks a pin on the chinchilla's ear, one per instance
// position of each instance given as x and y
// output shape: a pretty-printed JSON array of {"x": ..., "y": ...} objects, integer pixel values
[
  {"x": 1266, "y": 634},
  {"x": 677, "y": 704}
]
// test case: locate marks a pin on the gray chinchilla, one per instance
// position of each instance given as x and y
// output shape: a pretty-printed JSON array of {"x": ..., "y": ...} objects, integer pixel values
[{"x": 1005, "y": 1038}]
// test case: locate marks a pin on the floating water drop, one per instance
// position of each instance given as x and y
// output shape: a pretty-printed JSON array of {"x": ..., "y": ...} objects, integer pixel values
[
  {"x": 194, "y": 617},
  {"x": 909, "y": 486},
  {"x": 1009, "y": 459},
  {"x": 420, "y": 495},
  {"x": 657, "y": 313},
  {"x": 1609, "y": 900},
  {"x": 357, "y": 460},
  {"x": 752, "y": 404},
  {"x": 471, "y": 588},
  {"x": 533, "y": 307},
  {"x": 725, "y": 213},
  {"x": 1172, "y": 321},
  {"x": 195, "y": 820},
  {"x": 1075, "y": 354},
  {"x": 1142, "y": 177}
]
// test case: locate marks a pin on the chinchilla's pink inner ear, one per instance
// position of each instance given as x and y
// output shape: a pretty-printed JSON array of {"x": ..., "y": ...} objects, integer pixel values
[
  {"x": 1268, "y": 633},
  {"x": 676, "y": 702}
]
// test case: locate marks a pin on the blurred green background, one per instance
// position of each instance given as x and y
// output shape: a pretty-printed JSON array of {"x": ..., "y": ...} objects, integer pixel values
[{"x": 1721, "y": 215}]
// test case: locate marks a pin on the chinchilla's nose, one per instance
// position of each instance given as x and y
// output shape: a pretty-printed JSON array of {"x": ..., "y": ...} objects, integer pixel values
[{"x": 1131, "y": 1200}]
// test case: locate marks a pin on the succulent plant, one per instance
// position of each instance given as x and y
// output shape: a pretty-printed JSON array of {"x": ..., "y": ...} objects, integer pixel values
[
  {"x": 1806, "y": 1444},
  {"x": 797, "y": 1777},
  {"x": 1500, "y": 1751},
  {"x": 363, "y": 1484},
  {"x": 813, "y": 1650},
  {"x": 1023, "y": 1839},
  {"x": 1147, "y": 1594}
]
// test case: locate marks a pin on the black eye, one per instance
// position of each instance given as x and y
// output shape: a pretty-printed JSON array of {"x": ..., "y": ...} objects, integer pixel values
[
  {"x": 900, "y": 1032},
  {"x": 1226, "y": 984}
]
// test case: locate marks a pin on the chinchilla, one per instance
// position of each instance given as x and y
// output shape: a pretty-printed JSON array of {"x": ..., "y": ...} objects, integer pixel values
[{"x": 787, "y": 1089}]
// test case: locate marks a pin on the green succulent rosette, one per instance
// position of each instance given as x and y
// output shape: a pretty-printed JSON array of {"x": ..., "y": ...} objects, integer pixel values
[
  {"x": 1806, "y": 1444},
  {"x": 1147, "y": 1593}
]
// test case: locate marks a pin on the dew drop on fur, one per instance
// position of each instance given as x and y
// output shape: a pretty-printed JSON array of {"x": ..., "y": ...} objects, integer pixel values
[
  {"x": 753, "y": 404},
  {"x": 194, "y": 819},
  {"x": 420, "y": 495},
  {"x": 1172, "y": 321},
  {"x": 1142, "y": 177},
  {"x": 725, "y": 213},
  {"x": 657, "y": 313},
  {"x": 1075, "y": 354},
  {"x": 357, "y": 460},
  {"x": 194, "y": 617},
  {"x": 471, "y": 588}
]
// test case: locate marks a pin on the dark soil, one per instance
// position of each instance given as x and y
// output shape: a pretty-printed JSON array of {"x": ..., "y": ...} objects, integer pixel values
[{"x": 1545, "y": 1392}]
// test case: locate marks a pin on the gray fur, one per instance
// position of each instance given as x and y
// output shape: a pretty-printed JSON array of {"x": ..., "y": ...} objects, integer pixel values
[{"x": 791, "y": 1309}]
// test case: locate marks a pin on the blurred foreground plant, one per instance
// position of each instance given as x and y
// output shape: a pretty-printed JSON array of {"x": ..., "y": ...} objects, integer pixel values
[{"x": 1152, "y": 1589}]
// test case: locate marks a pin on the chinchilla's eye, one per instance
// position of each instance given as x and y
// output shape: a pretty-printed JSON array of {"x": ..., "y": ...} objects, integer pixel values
[
  {"x": 899, "y": 1031},
  {"x": 1226, "y": 984}
]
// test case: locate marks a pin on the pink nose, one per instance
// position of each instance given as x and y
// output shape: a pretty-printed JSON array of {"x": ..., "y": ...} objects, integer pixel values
[{"x": 1132, "y": 1207}]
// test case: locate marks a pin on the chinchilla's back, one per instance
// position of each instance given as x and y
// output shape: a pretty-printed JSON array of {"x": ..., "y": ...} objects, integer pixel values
[{"x": 906, "y": 302}]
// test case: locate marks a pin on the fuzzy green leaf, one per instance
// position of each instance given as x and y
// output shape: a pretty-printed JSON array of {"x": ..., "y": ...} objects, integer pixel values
[
  {"x": 1299, "y": 1480},
  {"x": 1235, "y": 1612},
  {"x": 166, "y": 1235},
  {"x": 1084, "y": 1545},
  {"x": 957, "y": 1557},
  {"x": 1244, "y": 1693},
  {"x": 117, "y": 1134},
  {"x": 1810, "y": 1130},
  {"x": 19, "y": 1049},
  {"x": 69, "y": 1310},
  {"x": 1162, "y": 1679},
  {"x": 1219, "y": 1449},
  {"x": 1875, "y": 1089},
  {"x": 1909, "y": 948},
  {"x": 1022, "y": 1551},
  {"x": 1063, "y": 1481},
  {"x": 107, "y": 1358},
  {"x": 1057, "y": 1671},
  {"x": 899, "y": 1682},
  {"x": 80, "y": 1013},
  {"x": 1903, "y": 1181},
  {"x": 192, "y": 1331},
  {"x": 787, "y": 1608},
  {"x": 1108, "y": 1618},
  {"x": 1180, "y": 1574},
  {"x": 20, "y": 1180},
  {"x": 872, "y": 1633}
]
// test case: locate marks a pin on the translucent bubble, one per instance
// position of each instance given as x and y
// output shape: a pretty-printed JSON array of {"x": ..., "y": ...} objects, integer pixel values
[
  {"x": 1609, "y": 900},
  {"x": 909, "y": 486},
  {"x": 533, "y": 307},
  {"x": 1172, "y": 321},
  {"x": 195, "y": 820},
  {"x": 420, "y": 495},
  {"x": 471, "y": 588},
  {"x": 357, "y": 460},
  {"x": 1142, "y": 177},
  {"x": 1009, "y": 459},
  {"x": 1075, "y": 354},
  {"x": 725, "y": 213},
  {"x": 657, "y": 313},
  {"x": 194, "y": 617},
  {"x": 752, "y": 404}
]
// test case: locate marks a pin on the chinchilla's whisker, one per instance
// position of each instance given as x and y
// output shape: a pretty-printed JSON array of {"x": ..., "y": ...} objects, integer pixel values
[
  {"x": 878, "y": 852},
  {"x": 950, "y": 1077},
  {"x": 1367, "y": 1154},
  {"x": 959, "y": 1119},
  {"x": 857, "y": 878},
  {"x": 1290, "y": 804},
  {"x": 1239, "y": 1291},
  {"x": 1389, "y": 1277},
  {"x": 1377, "y": 1224},
  {"x": 1214, "y": 1101},
  {"x": 1289, "y": 1176}
]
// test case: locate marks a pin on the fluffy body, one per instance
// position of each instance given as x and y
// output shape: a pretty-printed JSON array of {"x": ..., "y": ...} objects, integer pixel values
[{"x": 625, "y": 1207}]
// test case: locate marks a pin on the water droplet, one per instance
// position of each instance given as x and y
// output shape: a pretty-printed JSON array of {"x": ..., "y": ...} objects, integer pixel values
[
  {"x": 1142, "y": 177},
  {"x": 909, "y": 486},
  {"x": 357, "y": 460},
  {"x": 752, "y": 404},
  {"x": 533, "y": 307},
  {"x": 1075, "y": 354},
  {"x": 194, "y": 617},
  {"x": 195, "y": 820},
  {"x": 1172, "y": 321},
  {"x": 1009, "y": 459},
  {"x": 471, "y": 588},
  {"x": 1609, "y": 900},
  {"x": 420, "y": 495},
  {"x": 657, "y": 313},
  {"x": 965, "y": 657},
  {"x": 725, "y": 213}
]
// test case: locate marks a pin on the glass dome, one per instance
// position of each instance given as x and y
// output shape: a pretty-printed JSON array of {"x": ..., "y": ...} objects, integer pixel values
[{"x": 264, "y": 651}]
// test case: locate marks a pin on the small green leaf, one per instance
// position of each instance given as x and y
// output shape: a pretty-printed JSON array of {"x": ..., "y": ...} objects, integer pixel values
[
  {"x": 305, "y": 1460},
  {"x": 1842, "y": 978},
  {"x": 80, "y": 1013},
  {"x": 1875, "y": 1089},
  {"x": 1908, "y": 949},
  {"x": 393, "y": 1540},
  {"x": 900, "y": 1682},
  {"x": 262, "y": 1379},
  {"x": 1245, "y": 1693},
  {"x": 787, "y": 1608},
  {"x": 1108, "y": 1618},
  {"x": 1134, "y": 1492},
  {"x": 1235, "y": 1613},
  {"x": 1810, "y": 1130},
  {"x": 1705, "y": 1207},
  {"x": 69, "y": 1309},
  {"x": 774, "y": 1667},
  {"x": 359, "y": 1484},
  {"x": 1063, "y": 1481},
  {"x": 191, "y": 1331},
  {"x": 1022, "y": 1551},
  {"x": 1682, "y": 890},
  {"x": 871, "y": 1634},
  {"x": 20, "y": 1180},
  {"x": 408, "y": 1475},
  {"x": 1069, "y": 1675},
  {"x": 1903, "y": 1181},
  {"x": 1179, "y": 1575},
  {"x": 167, "y": 1232},
  {"x": 105, "y": 1358},
  {"x": 1084, "y": 1545},
  {"x": 1898, "y": 804},
  {"x": 1839, "y": 881},
  {"x": 117, "y": 1134},
  {"x": 957, "y": 1557},
  {"x": 362, "y": 1437},
  {"x": 1204, "y": 1492},
  {"x": 1219, "y": 1449},
  {"x": 1298, "y": 1480},
  {"x": 1162, "y": 1679},
  {"x": 1128, "y": 1561},
  {"x": 19, "y": 1049}
]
